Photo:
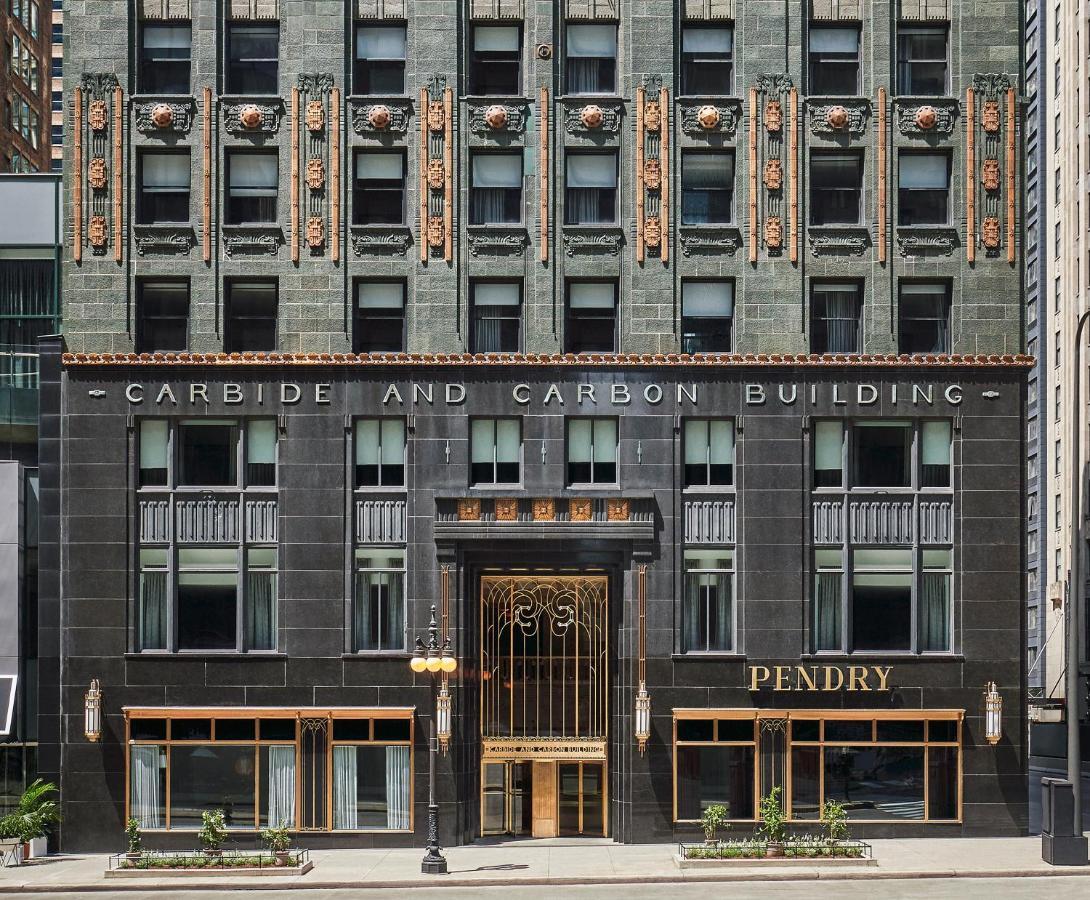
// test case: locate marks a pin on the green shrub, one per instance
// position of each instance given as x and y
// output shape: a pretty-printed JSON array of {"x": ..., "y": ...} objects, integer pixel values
[
  {"x": 213, "y": 831},
  {"x": 277, "y": 839},
  {"x": 835, "y": 819},
  {"x": 773, "y": 827},
  {"x": 714, "y": 818},
  {"x": 132, "y": 835}
]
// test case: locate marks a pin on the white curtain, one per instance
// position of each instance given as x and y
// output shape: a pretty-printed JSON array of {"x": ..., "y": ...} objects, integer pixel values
[
  {"x": 591, "y": 295},
  {"x": 380, "y": 166},
  {"x": 397, "y": 788},
  {"x": 829, "y": 446},
  {"x": 592, "y": 41},
  {"x": 345, "y": 793},
  {"x": 587, "y": 176},
  {"x": 927, "y": 171},
  {"x": 380, "y": 43},
  {"x": 496, "y": 38},
  {"x": 253, "y": 173},
  {"x": 281, "y": 786},
  {"x": 167, "y": 37},
  {"x": 494, "y": 174},
  {"x": 707, "y": 40},
  {"x": 839, "y": 307},
  {"x": 834, "y": 40},
  {"x": 707, "y": 299},
  {"x": 165, "y": 172},
  {"x": 146, "y": 802},
  {"x": 381, "y": 295}
]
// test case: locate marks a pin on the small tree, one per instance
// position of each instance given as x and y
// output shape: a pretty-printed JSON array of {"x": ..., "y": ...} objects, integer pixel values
[
  {"x": 714, "y": 818},
  {"x": 836, "y": 820},
  {"x": 132, "y": 834},
  {"x": 772, "y": 819},
  {"x": 277, "y": 839},
  {"x": 213, "y": 830}
]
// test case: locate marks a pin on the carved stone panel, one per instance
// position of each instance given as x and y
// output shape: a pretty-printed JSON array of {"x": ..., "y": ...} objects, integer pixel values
[
  {"x": 379, "y": 240},
  {"x": 773, "y": 118},
  {"x": 381, "y": 118},
  {"x": 436, "y": 174},
  {"x": 96, "y": 231},
  {"x": 163, "y": 240},
  {"x": 580, "y": 509},
  {"x": 773, "y": 232},
  {"x": 469, "y": 509},
  {"x": 652, "y": 116},
  {"x": 989, "y": 232},
  {"x": 838, "y": 241},
  {"x": 97, "y": 115},
  {"x": 153, "y": 118},
  {"x": 617, "y": 510},
  {"x": 497, "y": 241},
  {"x": 592, "y": 240},
  {"x": 544, "y": 509},
  {"x": 96, "y": 173},
  {"x": 315, "y": 232},
  {"x": 257, "y": 240},
  {"x": 497, "y": 117},
  {"x": 652, "y": 174},
  {"x": 724, "y": 241},
  {"x": 931, "y": 118},
  {"x": 773, "y": 174},
  {"x": 707, "y": 118},
  {"x": 926, "y": 241},
  {"x": 315, "y": 116},
  {"x": 593, "y": 117},
  {"x": 507, "y": 509},
  {"x": 989, "y": 116},
  {"x": 252, "y": 118},
  {"x": 436, "y": 231},
  {"x": 652, "y": 231},
  {"x": 437, "y": 116},
  {"x": 842, "y": 118},
  {"x": 315, "y": 173},
  {"x": 989, "y": 174}
]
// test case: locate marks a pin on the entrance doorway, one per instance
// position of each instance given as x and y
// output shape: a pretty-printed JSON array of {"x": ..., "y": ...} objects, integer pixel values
[{"x": 543, "y": 799}]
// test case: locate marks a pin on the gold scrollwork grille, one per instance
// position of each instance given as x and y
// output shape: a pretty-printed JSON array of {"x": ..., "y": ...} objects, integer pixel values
[{"x": 544, "y": 656}]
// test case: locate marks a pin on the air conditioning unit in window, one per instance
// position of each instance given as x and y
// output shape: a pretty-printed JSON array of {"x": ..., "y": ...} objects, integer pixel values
[{"x": 1056, "y": 594}]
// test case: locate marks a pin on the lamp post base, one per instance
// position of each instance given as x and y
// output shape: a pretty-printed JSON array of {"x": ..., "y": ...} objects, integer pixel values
[
  {"x": 434, "y": 865},
  {"x": 1066, "y": 850}
]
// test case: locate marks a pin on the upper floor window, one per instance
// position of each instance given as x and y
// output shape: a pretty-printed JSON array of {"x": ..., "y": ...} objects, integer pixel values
[
  {"x": 923, "y": 317},
  {"x": 380, "y": 60},
  {"x": 835, "y": 317},
  {"x": 923, "y": 189},
  {"x": 379, "y": 192},
  {"x": 591, "y": 53},
  {"x": 707, "y": 188},
  {"x": 707, "y": 310},
  {"x": 380, "y": 452},
  {"x": 162, "y": 315},
  {"x": 591, "y": 325},
  {"x": 708, "y": 452},
  {"x": 252, "y": 181},
  {"x": 707, "y": 61},
  {"x": 834, "y": 60},
  {"x": 921, "y": 60},
  {"x": 250, "y": 316},
  {"x": 378, "y": 613},
  {"x": 495, "y": 196},
  {"x": 495, "y": 63},
  {"x": 206, "y": 453},
  {"x": 495, "y": 451},
  {"x": 379, "y": 322},
  {"x": 497, "y": 316},
  {"x": 165, "y": 58},
  {"x": 879, "y": 453},
  {"x": 836, "y": 188},
  {"x": 253, "y": 54},
  {"x": 592, "y": 451},
  {"x": 164, "y": 188},
  {"x": 707, "y": 609},
  {"x": 590, "y": 196}
]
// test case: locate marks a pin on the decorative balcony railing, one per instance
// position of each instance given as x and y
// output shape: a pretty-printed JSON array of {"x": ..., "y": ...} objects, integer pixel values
[
  {"x": 207, "y": 518},
  {"x": 869, "y": 518}
]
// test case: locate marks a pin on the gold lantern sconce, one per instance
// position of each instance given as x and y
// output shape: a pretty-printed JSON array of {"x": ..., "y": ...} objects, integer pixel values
[
  {"x": 92, "y": 712},
  {"x": 993, "y": 713},
  {"x": 643, "y": 698},
  {"x": 443, "y": 719}
]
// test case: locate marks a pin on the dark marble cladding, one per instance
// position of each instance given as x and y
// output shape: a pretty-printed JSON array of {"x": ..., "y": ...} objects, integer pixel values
[{"x": 316, "y": 512}]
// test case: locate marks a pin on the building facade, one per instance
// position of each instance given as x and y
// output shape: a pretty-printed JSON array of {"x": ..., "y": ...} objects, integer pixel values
[
  {"x": 674, "y": 357},
  {"x": 25, "y": 137}
]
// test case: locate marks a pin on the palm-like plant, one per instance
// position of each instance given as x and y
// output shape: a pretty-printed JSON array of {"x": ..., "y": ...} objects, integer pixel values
[{"x": 35, "y": 815}]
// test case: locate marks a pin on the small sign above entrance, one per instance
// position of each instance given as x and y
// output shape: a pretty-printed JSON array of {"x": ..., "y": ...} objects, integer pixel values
[
  {"x": 819, "y": 678},
  {"x": 543, "y": 748}
]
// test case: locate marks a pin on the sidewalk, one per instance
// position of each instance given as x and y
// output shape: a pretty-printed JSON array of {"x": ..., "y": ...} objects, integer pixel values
[{"x": 531, "y": 863}]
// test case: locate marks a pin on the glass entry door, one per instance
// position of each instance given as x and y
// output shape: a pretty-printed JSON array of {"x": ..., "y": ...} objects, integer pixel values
[
  {"x": 581, "y": 795},
  {"x": 506, "y": 798}
]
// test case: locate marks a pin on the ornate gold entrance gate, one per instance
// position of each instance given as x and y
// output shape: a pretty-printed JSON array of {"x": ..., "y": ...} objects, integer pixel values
[{"x": 544, "y": 709}]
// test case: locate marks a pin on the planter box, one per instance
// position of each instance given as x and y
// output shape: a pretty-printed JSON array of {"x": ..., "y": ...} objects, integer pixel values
[
  {"x": 39, "y": 847},
  {"x": 826, "y": 862},
  {"x": 218, "y": 872}
]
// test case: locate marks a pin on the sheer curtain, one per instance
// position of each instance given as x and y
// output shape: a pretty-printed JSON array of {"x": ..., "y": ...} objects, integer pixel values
[
  {"x": 379, "y": 614},
  {"x": 261, "y": 610},
  {"x": 587, "y": 47},
  {"x": 345, "y": 794},
  {"x": 827, "y": 611},
  {"x": 935, "y": 611},
  {"x": 146, "y": 802},
  {"x": 397, "y": 788},
  {"x": 494, "y": 174},
  {"x": 841, "y": 314},
  {"x": 281, "y": 786},
  {"x": 153, "y": 610},
  {"x": 589, "y": 177}
]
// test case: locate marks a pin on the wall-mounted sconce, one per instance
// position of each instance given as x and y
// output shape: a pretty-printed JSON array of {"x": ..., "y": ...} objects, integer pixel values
[
  {"x": 643, "y": 698},
  {"x": 993, "y": 714},
  {"x": 92, "y": 713}
]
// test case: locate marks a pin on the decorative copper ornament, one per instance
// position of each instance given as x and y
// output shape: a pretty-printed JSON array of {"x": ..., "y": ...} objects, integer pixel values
[
  {"x": 989, "y": 116},
  {"x": 652, "y": 174},
  {"x": 544, "y": 509},
  {"x": 507, "y": 510},
  {"x": 580, "y": 509},
  {"x": 990, "y": 174},
  {"x": 836, "y": 117},
  {"x": 652, "y": 231},
  {"x": 162, "y": 115},
  {"x": 773, "y": 115},
  {"x": 315, "y": 174},
  {"x": 989, "y": 232},
  {"x": 591, "y": 116},
  {"x": 315, "y": 118},
  {"x": 773, "y": 175},
  {"x": 652, "y": 116},
  {"x": 96, "y": 231},
  {"x": 926, "y": 118},
  {"x": 315, "y": 232},
  {"x": 249, "y": 117},
  {"x": 496, "y": 117},
  {"x": 469, "y": 509},
  {"x": 378, "y": 117},
  {"x": 617, "y": 510},
  {"x": 96, "y": 173},
  {"x": 437, "y": 116},
  {"x": 436, "y": 231},
  {"x": 437, "y": 174},
  {"x": 773, "y": 232},
  {"x": 96, "y": 115},
  {"x": 708, "y": 117}
]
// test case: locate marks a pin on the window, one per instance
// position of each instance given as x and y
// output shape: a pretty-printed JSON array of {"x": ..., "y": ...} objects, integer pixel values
[
  {"x": 828, "y": 454},
  {"x": 707, "y": 61},
  {"x": 495, "y": 451},
  {"x": 379, "y": 194},
  {"x": 207, "y": 453},
  {"x": 380, "y": 60},
  {"x": 261, "y": 442},
  {"x": 251, "y": 188},
  {"x": 836, "y": 188},
  {"x": 250, "y": 316},
  {"x": 707, "y": 188},
  {"x": 835, "y": 314},
  {"x": 834, "y": 60},
  {"x": 924, "y": 317},
  {"x": 921, "y": 60},
  {"x": 707, "y": 310},
  {"x": 592, "y": 451},
  {"x": 378, "y": 615},
  {"x": 591, "y": 325},
  {"x": 164, "y": 188},
  {"x": 591, "y": 59},
  {"x": 380, "y": 453},
  {"x": 497, "y": 316},
  {"x": 882, "y": 453},
  {"x": 379, "y": 325},
  {"x": 709, "y": 452},
  {"x": 715, "y": 762},
  {"x": 495, "y": 62},
  {"x": 162, "y": 316},
  {"x": 252, "y": 58},
  {"x": 590, "y": 197},
  {"x": 707, "y": 612},
  {"x": 935, "y": 453},
  {"x": 154, "y": 453},
  {"x": 923, "y": 195},
  {"x": 495, "y": 190},
  {"x": 881, "y": 600},
  {"x": 165, "y": 52},
  {"x": 828, "y": 581}
]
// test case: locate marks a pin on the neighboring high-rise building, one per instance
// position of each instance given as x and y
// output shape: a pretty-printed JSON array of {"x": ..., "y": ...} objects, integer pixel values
[
  {"x": 26, "y": 27},
  {"x": 56, "y": 77},
  {"x": 672, "y": 351}
]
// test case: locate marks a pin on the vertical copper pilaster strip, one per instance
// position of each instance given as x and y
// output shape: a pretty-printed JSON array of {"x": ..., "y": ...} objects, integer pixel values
[
  {"x": 77, "y": 175},
  {"x": 444, "y": 600},
  {"x": 335, "y": 174},
  {"x": 881, "y": 174},
  {"x": 970, "y": 175},
  {"x": 641, "y": 99},
  {"x": 423, "y": 173},
  {"x": 753, "y": 175},
  {"x": 642, "y": 672},
  {"x": 794, "y": 208},
  {"x": 448, "y": 166},
  {"x": 119, "y": 118},
  {"x": 543, "y": 173},
  {"x": 1010, "y": 175},
  {"x": 664, "y": 165},
  {"x": 295, "y": 138},
  {"x": 206, "y": 212}
]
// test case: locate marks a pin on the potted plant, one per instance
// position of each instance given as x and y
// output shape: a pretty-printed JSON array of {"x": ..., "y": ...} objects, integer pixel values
[
  {"x": 32, "y": 818},
  {"x": 772, "y": 823},
  {"x": 132, "y": 835},
  {"x": 714, "y": 818},
  {"x": 213, "y": 833},
  {"x": 836, "y": 821},
  {"x": 278, "y": 840}
]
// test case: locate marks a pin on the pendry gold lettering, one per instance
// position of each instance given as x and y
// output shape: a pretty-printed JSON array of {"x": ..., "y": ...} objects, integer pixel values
[{"x": 853, "y": 679}]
